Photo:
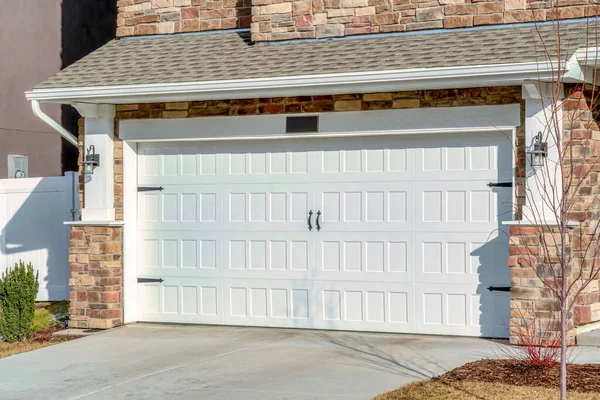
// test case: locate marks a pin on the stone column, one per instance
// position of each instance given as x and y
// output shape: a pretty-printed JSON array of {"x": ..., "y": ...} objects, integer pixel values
[
  {"x": 96, "y": 249},
  {"x": 96, "y": 277}
]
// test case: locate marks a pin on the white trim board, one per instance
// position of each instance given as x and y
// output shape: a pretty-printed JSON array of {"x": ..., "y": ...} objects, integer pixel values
[
  {"x": 341, "y": 124},
  {"x": 130, "y": 233}
]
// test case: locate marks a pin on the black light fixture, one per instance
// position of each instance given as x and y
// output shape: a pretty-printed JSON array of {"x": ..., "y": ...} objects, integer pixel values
[
  {"x": 538, "y": 151},
  {"x": 92, "y": 161}
]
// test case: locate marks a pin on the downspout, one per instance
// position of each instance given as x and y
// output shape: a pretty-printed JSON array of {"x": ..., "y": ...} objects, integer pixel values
[{"x": 35, "y": 106}]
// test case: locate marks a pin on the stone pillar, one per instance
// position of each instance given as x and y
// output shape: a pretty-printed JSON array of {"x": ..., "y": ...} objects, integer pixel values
[
  {"x": 96, "y": 249},
  {"x": 96, "y": 277},
  {"x": 534, "y": 309}
]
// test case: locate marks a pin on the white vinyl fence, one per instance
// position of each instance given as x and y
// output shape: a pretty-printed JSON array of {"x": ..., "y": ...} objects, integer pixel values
[{"x": 32, "y": 216}]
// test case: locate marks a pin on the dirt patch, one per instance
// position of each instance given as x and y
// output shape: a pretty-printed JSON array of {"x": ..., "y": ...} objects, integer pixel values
[
  {"x": 45, "y": 335},
  {"x": 439, "y": 389},
  {"x": 581, "y": 378},
  {"x": 37, "y": 340}
]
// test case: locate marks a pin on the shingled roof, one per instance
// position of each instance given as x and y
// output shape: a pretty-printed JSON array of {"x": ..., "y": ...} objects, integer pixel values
[{"x": 219, "y": 56}]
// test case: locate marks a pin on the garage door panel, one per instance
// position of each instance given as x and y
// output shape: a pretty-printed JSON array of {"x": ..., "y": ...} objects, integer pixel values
[
  {"x": 181, "y": 207},
  {"x": 181, "y": 299},
  {"x": 179, "y": 253},
  {"x": 381, "y": 206},
  {"x": 352, "y": 256},
  {"x": 272, "y": 207},
  {"x": 269, "y": 163},
  {"x": 387, "y": 160},
  {"x": 443, "y": 159},
  {"x": 268, "y": 255},
  {"x": 372, "y": 306},
  {"x": 460, "y": 309},
  {"x": 278, "y": 303},
  {"x": 460, "y": 207},
  {"x": 468, "y": 258},
  {"x": 178, "y": 163}
]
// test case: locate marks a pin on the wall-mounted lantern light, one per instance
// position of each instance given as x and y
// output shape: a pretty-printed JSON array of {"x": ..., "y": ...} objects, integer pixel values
[
  {"x": 92, "y": 161},
  {"x": 538, "y": 151}
]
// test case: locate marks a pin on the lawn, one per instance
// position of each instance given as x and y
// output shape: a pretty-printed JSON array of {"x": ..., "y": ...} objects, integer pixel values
[
  {"x": 48, "y": 319},
  {"x": 503, "y": 380},
  {"x": 440, "y": 389}
]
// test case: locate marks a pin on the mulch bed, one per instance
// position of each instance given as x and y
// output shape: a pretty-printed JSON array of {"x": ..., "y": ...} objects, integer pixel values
[
  {"x": 582, "y": 378},
  {"x": 45, "y": 335}
]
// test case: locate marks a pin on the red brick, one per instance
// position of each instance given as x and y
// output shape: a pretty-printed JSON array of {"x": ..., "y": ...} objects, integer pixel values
[
  {"x": 525, "y": 250},
  {"x": 524, "y": 230},
  {"x": 106, "y": 314},
  {"x": 110, "y": 297},
  {"x": 78, "y": 296},
  {"x": 582, "y": 314},
  {"x": 190, "y": 13}
]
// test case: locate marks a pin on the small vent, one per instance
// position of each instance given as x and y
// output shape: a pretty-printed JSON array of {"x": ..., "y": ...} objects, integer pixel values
[
  {"x": 302, "y": 124},
  {"x": 18, "y": 166}
]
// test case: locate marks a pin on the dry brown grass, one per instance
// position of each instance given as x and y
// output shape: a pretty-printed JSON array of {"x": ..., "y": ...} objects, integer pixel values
[
  {"x": 10, "y": 349},
  {"x": 439, "y": 389}
]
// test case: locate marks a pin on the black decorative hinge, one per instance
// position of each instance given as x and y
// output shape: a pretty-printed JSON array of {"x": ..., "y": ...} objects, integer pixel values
[
  {"x": 149, "y": 280},
  {"x": 500, "y": 184},
  {"x": 150, "y": 188},
  {"x": 499, "y": 288}
]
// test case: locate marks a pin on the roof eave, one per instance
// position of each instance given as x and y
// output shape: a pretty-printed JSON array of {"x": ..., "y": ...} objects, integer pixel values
[{"x": 323, "y": 84}]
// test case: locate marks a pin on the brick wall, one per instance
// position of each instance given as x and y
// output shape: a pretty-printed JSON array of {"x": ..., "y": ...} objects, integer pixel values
[
  {"x": 582, "y": 136},
  {"x": 294, "y": 19},
  {"x": 301, "y": 19},
  {"x": 152, "y": 17},
  {"x": 96, "y": 277},
  {"x": 534, "y": 252}
]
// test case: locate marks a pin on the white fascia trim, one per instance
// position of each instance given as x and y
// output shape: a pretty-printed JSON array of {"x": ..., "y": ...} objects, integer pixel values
[
  {"x": 422, "y": 78},
  {"x": 582, "y": 65},
  {"x": 544, "y": 223},
  {"x": 93, "y": 223}
]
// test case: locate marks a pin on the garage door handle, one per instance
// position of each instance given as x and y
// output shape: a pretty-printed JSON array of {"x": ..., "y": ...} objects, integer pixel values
[
  {"x": 310, "y": 213},
  {"x": 318, "y": 215}
]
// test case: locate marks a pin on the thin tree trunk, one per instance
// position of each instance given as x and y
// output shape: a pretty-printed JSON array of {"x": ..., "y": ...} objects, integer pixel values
[
  {"x": 563, "y": 348},
  {"x": 564, "y": 300}
]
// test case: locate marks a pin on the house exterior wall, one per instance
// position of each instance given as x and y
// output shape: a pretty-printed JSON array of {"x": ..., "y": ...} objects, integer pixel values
[
  {"x": 21, "y": 68},
  {"x": 96, "y": 252},
  {"x": 275, "y": 20},
  {"x": 306, "y": 19},
  {"x": 151, "y": 17},
  {"x": 533, "y": 254}
]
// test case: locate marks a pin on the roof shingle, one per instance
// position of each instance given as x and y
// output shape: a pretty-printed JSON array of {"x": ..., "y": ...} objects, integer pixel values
[{"x": 231, "y": 55}]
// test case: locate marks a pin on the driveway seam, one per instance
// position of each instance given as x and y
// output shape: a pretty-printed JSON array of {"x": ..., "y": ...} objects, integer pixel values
[{"x": 327, "y": 395}]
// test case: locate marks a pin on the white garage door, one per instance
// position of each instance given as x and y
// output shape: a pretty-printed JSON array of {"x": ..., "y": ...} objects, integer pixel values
[{"x": 404, "y": 233}]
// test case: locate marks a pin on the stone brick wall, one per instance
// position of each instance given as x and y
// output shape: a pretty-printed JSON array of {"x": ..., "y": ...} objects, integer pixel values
[
  {"x": 152, "y": 17},
  {"x": 533, "y": 252},
  {"x": 273, "y": 20},
  {"x": 96, "y": 277},
  {"x": 582, "y": 136},
  {"x": 305, "y": 19}
]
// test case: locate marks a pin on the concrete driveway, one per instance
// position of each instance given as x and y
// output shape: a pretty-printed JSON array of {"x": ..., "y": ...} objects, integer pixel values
[{"x": 199, "y": 362}]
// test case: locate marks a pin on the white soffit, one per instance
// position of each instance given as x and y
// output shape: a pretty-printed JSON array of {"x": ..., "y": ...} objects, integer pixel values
[{"x": 409, "y": 121}]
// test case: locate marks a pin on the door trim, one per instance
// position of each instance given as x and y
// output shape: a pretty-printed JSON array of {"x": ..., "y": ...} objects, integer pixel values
[{"x": 130, "y": 233}]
